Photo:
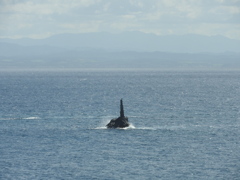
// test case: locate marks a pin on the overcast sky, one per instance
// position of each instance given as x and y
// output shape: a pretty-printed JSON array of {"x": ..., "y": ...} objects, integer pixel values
[{"x": 43, "y": 18}]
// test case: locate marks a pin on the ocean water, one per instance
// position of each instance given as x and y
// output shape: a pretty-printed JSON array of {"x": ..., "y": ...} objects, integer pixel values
[{"x": 184, "y": 125}]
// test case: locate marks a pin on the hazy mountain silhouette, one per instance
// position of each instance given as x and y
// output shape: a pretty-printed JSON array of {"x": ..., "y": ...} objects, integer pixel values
[
  {"x": 136, "y": 41},
  {"x": 125, "y": 50}
]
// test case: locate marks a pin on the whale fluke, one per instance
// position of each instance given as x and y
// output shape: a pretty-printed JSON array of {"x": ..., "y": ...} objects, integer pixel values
[{"x": 121, "y": 121}]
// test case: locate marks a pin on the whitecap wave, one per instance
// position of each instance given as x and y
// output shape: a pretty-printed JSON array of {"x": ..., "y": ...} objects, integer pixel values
[
  {"x": 20, "y": 118},
  {"x": 32, "y": 118}
]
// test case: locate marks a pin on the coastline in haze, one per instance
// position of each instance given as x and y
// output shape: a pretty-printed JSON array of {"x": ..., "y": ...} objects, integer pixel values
[{"x": 129, "y": 50}]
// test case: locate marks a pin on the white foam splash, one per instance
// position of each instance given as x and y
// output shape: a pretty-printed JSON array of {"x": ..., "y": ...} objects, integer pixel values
[
  {"x": 131, "y": 126},
  {"x": 100, "y": 127}
]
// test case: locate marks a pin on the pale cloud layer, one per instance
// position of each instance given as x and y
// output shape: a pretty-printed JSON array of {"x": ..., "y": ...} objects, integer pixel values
[{"x": 42, "y": 18}]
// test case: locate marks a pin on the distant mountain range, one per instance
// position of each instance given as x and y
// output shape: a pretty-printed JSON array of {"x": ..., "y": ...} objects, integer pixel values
[
  {"x": 135, "y": 41},
  {"x": 125, "y": 50}
]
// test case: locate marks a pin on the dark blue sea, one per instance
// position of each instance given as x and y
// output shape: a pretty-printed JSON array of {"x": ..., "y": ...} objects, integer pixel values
[{"x": 184, "y": 125}]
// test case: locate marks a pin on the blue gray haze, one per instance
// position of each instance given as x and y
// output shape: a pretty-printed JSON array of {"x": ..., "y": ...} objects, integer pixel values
[{"x": 184, "y": 125}]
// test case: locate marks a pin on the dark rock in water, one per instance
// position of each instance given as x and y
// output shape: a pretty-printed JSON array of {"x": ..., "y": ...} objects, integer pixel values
[{"x": 120, "y": 122}]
